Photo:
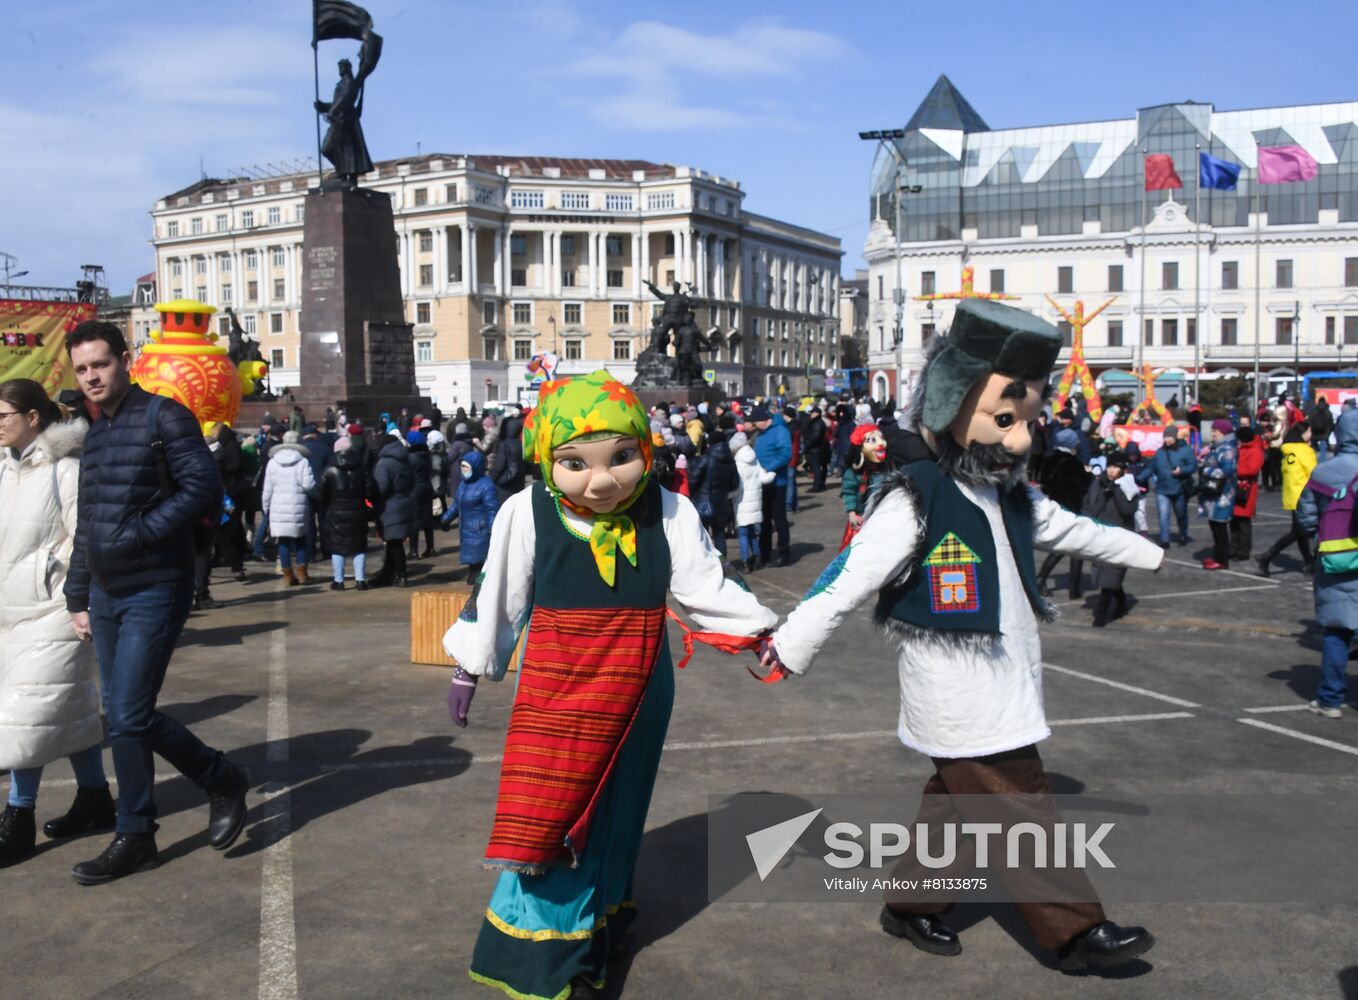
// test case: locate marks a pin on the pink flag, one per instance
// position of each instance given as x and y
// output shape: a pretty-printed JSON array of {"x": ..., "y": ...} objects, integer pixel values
[{"x": 1284, "y": 164}]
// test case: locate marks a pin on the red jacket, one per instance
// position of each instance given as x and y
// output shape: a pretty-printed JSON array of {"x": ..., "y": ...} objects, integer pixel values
[{"x": 1248, "y": 464}]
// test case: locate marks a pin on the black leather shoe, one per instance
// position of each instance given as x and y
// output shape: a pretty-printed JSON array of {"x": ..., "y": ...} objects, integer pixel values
[
  {"x": 361, "y": 585},
  {"x": 337, "y": 585},
  {"x": 18, "y": 835},
  {"x": 1104, "y": 946},
  {"x": 92, "y": 811},
  {"x": 751, "y": 565},
  {"x": 782, "y": 560},
  {"x": 925, "y": 931},
  {"x": 226, "y": 808},
  {"x": 129, "y": 853}
]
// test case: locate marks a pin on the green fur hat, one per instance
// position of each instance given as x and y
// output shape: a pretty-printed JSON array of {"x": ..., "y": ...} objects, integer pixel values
[{"x": 986, "y": 337}]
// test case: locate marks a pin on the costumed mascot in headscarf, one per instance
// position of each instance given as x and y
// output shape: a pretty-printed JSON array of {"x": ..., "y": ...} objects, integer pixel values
[
  {"x": 946, "y": 550},
  {"x": 582, "y": 560}
]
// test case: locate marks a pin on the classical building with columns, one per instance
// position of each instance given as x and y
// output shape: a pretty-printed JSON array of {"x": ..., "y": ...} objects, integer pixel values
[
  {"x": 504, "y": 257},
  {"x": 1214, "y": 282}
]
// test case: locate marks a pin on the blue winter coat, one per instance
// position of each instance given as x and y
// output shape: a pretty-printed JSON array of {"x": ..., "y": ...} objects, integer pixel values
[
  {"x": 395, "y": 483},
  {"x": 1223, "y": 459},
  {"x": 1336, "y": 596},
  {"x": 475, "y": 505},
  {"x": 773, "y": 449},
  {"x": 1161, "y": 466}
]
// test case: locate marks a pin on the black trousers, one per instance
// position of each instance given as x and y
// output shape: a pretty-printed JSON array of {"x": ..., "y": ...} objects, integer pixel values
[
  {"x": 1221, "y": 541},
  {"x": 394, "y": 566},
  {"x": 817, "y": 459},
  {"x": 1076, "y": 571},
  {"x": 775, "y": 516},
  {"x": 1294, "y": 534},
  {"x": 1242, "y": 537}
]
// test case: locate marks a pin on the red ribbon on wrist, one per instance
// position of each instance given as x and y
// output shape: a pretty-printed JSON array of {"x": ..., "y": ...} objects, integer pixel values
[{"x": 727, "y": 643}]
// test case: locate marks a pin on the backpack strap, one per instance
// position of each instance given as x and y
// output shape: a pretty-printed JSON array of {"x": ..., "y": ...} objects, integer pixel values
[{"x": 158, "y": 445}]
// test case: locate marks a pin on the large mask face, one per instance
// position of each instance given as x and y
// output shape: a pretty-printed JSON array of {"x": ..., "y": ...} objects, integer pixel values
[
  {"x": 598, "y": 474},
  {"x": 874, "y": 448},
  {"x": 999, "y": 410}
]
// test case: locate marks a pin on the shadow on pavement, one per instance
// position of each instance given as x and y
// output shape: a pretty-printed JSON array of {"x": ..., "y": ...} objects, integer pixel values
[
  {"x": 226, "y": 635},
  {"x": 190, "y": 713}
]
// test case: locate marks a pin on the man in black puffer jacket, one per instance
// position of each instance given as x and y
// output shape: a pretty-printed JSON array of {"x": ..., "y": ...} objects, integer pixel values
[{"x": 129, "y": 588}]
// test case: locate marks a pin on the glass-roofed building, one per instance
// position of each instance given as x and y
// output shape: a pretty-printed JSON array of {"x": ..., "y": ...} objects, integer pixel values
[{"x": 1052, "y": 214}]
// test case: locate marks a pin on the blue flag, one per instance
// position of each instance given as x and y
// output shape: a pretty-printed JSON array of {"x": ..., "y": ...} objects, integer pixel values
[{"x": 1215, "y": 173}]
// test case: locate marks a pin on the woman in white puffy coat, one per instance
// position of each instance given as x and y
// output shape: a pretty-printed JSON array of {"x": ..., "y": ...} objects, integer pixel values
[
  {"x": 49, "y": 696},
  {"x": 289, "y": 485},
  {"x": 750, "y": 499}
]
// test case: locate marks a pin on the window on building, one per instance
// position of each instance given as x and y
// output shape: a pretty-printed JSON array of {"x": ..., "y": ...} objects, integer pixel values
[
  {"x": 252, "y": 291},
  {"x": 523, "y": 349},
  {"x": 1282, "y": 274},
  {"x": 575, "y": 199},
  {"x": 200, "y": 265},
  {"x": 223, "y": 222},
  {"x": 1148, "y": 333},
  {"x": 1329, "y": 329},
  {"x": 1282, "y": 330},
  {"x": 669, "y": 277},
  {"x": 1115, "y": 333},
  {"x": 1190, "y": 332},
  {"x": 518, "y": 245},
  {"x": 280, "y": 257},
  {"x": 490, "y": 348},
  {"x": 613, "y": 246},
  {"x": 518, "y": 277},
  {"x": 251, "y": 260},
  {"x": 426, "y": 275},
  {"x": 523, "y": 313},
  {"x": 575, "y": 349},
  {"x": 275, "y": 215},
  {"x": 615, "y": 278},
  {"x": 567, "y": 245},
  {"x": 927, "y": 283},
  {"x": 1351, "y": 272},
  {"x": 484, "y": 195},
  {"x": 177, "y": 268},
  {"x": 1351, "y": 329},
  {"x": 622, "y": 349},
  {"x": 172, "y": 228},
  {"x": 1230, "y": 275},
  {"x": 669, "y": 244},
  {"x": 568, "y": 278},
  {"x": 424, "y": 351},
  {"x": 426, "y": 241},
  {"x": 926, "y": 331},
  {"x": 247, "y": 218},
  {"x": 423, "y": 312},
  {"x": 488, "y": 313},
  {"x": 275, "y": 322},
  {"x": 783, "y": 328},
  {"x": 224, "y": 263},
  {"x": 276, "y": 358},
  {"x": 450, "y": 193},
  {"x": 1229, "y": 331},
  {"x": 622, "y": 313},
  {"x": 226, "y": 293},
  {"x": 1067, "y": 332},
  {"x": 178, "y": 293},
  {"x": 660, "y": 199},
  {"x": 997, "y": 279},
  {"x": 526, "y": 199},
  {"x": 196, "y": 225},
  {"x": 1169, "y": 275},
  {"x": 223, "y": 328},
  {"x": 1169, "y": 332},
  {"x": 300, "y": 212},
  {"x": 1115, "y": 277},
  {"x": 618, "y": 203},
  {"x": 570, "y": 313},
  {"x": 201, "y": 293},
  {"x": 249, "y": 323},
  {"x": 1065, "y": 280},
  {"x": 421, "y": 197}
]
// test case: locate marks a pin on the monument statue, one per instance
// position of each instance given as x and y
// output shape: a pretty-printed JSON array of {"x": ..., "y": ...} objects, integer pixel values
[
  {"x": 344, "y": 145},
  {"x": 677, "y": 304},
  {"x": 655, "y": 367}
]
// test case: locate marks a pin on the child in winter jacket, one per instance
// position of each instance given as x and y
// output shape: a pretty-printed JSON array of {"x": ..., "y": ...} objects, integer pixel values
[{"x": 750, "y": 507}]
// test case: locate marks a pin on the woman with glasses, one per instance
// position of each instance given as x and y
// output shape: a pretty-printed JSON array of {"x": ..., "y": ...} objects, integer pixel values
[{"x": 49, "y": 700}]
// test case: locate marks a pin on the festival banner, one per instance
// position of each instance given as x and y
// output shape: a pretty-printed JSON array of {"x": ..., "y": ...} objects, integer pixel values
[
  {"x": 1149, "y": 438},
  {"x": 33, "y": 341}
]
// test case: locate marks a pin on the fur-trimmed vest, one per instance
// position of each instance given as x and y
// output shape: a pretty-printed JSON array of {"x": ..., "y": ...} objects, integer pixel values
[{"x": 954, "y": 584}]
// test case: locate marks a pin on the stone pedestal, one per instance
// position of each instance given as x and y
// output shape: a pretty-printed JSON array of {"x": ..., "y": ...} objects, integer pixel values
[
  {"x": 657, "y": 381},
  {"x": 357, "y": 349}
]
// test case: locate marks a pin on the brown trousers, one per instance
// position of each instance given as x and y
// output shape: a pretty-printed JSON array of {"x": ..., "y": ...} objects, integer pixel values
[{"x": 1014, "y": 773}]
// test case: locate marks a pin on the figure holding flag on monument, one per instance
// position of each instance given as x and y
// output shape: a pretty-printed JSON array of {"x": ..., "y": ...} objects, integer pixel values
[{"x": 344, "y": 145}]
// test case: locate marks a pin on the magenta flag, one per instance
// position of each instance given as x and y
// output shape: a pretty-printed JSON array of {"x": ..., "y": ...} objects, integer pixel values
[{"x": 1285, "y": 164}]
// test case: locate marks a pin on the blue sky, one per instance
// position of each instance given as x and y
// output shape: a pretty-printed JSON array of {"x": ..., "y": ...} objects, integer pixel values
[{"x": 111, "y": 104}]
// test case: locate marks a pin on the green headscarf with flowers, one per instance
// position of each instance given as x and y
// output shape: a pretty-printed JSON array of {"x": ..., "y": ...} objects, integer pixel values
[{"x": 593, "y": 405}]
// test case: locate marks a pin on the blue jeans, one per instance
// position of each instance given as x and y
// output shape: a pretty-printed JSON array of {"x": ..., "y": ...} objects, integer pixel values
[
  {"x": 88, "y": 766},
  {"x": 134, "y": 637},
  {"x": 261, "y": 533},
  {"x": 791, "y": 491},
  {"x": 1322, "y": 449},
  {"x": 360, "y": 567},
  {"x": 749, "y": 541},
  {"x": 1179, "y": 505},
  {"x": 1334, "y": 667},
  {"x": 287, "y": 547}
]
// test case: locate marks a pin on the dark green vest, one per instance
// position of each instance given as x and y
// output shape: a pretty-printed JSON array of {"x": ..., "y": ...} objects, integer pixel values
[
  {"x": 564, "y": 573},
  {"x": 955, "y": 584}
]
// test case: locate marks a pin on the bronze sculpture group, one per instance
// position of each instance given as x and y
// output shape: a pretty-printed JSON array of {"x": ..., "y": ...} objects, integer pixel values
[{"x": 675, "y": 324}]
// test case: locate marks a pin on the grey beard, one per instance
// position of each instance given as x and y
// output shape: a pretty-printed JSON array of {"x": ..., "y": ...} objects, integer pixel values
[{"x": 980, "y": 464}]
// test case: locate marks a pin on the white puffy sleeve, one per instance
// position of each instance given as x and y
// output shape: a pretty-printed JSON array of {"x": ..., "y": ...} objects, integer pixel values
[
  {"x": 878, "y": 555},
  {"x": 697, "y": 580},
  {"x": 1058, "y": 530},
  {"x": 482, "y": 640}
]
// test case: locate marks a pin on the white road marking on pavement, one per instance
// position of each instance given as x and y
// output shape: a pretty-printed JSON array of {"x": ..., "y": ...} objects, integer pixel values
[
  {"x": 1317, "y": 740},
  {"x": 1301, "y": 707},
  {"x": 1182, "y": 593},
  {"x": 773, "y": 586},
  {"x": 1101, "y": 719},
  {"x": 277, "y": 922},
  {"x": 1122, "y": 687},
  {"x": 1232, "y": 572}
]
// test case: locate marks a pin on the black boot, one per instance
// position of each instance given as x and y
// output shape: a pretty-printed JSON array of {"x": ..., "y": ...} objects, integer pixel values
[
  {"x": 1120, "y": 599},
  {"x": 226, "y": 808},
  {"x": 129, "y": 853},
  {"x": 751, "y": 564},
  {"x": 1104, "y": 946},
  {"x": 924, "y": 931},
  {"x": 1263, "y": 562},
  {"x": 18, "y": 835},
  {"x": 92, "y": 811},
  {"x": 1102, "y": 608},
  {"x": 1044, "y": 587}
]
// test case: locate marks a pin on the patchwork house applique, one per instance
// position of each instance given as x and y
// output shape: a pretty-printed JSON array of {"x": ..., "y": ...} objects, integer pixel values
[{"x": 952, "y": 577}]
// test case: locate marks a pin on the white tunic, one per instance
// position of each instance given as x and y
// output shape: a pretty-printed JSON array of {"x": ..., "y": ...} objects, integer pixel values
[
  {"x": 697, "y": 581},
  {"x": 959, "y": 699}
]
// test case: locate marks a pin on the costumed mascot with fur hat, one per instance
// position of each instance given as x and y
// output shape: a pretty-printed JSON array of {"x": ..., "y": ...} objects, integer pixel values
[{"x": 947, "y": 552}]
